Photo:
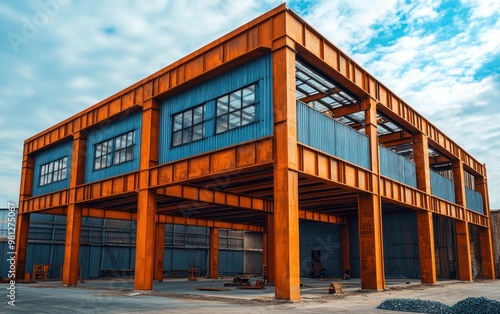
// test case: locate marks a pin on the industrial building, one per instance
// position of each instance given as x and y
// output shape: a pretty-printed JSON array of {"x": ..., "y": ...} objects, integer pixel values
[{"x": 270, "y": 129}]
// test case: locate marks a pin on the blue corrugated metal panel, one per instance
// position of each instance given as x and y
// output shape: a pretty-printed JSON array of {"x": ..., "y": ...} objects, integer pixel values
[
  {"x": 184, "y": 259},
  {"x": 259, "y": 70},
  {"x": 397, "y": 167},
  {"x": 109, "y": 131},
  {"x": 230, "y": 262},
  {"x": 330, "y": 136},
  {"x": 442, "y": 187},
  {"x": 474, "y": 200},
  {"x": 116, "y": 257},
  {"x": 52, "y": 154},
  {"x": 315, "y": 236},
  {"x": 401, "y": 255}
]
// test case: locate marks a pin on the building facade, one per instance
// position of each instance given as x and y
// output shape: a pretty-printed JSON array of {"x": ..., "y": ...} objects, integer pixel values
[{"x": 269, "y": 129}]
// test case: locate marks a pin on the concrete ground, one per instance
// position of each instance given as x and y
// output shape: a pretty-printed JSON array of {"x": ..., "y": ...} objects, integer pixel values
[{"x": 183, "y": 296}]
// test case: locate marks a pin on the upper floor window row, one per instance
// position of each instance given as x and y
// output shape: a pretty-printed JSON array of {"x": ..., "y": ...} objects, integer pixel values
[
  {"x": 232, "y": 110},
  {"x": 54, "y": 171},
  {"x": 114, "y": 151}
]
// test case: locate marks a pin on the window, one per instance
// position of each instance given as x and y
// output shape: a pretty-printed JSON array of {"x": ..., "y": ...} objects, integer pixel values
[
  {"x": 54, "y": 171},
  {"x": 114, "y": 151},
  {"x": 188, "y": 126},
  {"x": 124, "y": 148},
  {"x": 235, "y": 109}
]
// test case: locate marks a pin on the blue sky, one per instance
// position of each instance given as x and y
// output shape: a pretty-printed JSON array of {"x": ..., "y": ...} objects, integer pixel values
[{"x": 59, "y": 57}]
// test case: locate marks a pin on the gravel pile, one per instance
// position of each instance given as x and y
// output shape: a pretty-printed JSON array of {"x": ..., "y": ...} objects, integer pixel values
[
  {"x": 416, "y": 306},
  {"x": 476, "y": 306},
  {"x": 470, "y": 305}
]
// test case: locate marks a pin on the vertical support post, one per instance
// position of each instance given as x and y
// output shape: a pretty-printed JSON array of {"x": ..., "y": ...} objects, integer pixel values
[
  {"x": 487, "y": 254},
  {"x": 72, "y": 245},
  {"x": 74, "y": 213},
  {"x": 462, "y": 226},
  {"x": 268, "y": 249},
  {"x": 463, "y": 251},
  {"x": 346, "y": 251},
  {"x": 159, "y": 250},
  {"x": 286, "y": 214},
  {"x": 485, "y": 234},
  {"x": 146, "y": 204},
  {"x": 22, "y": 232},
  {"x": 425, "y": 223},
  {"x": 371, "y": 243},
  {"x": 23, "y": 219},
  {"x": 213, "y": 255}
]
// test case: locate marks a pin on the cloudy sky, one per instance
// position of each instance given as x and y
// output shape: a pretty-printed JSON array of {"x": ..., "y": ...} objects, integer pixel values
[{"x": 59, "y": 57}]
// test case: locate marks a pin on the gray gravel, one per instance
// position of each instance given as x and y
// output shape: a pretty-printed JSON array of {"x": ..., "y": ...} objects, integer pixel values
[{"x": 476, "y": 305}]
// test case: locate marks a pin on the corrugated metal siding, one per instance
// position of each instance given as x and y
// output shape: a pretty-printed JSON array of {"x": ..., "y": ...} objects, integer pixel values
[
  {"x": 109, "y": 131},
  {"x": 401, "y": 255},
  {"x": 474, "y": 200},
  {"x": 315, "y": 236},
  {"x": 330, "y": 136},
  {"x": 442, "y": 187},
  {"x": 253, "y": 262},
  {"x": 397, "y": 167},
  {"x": 231, "y": 262},
  {"x": 58, "y": 152},
  {"x": 259, "y": 70}
]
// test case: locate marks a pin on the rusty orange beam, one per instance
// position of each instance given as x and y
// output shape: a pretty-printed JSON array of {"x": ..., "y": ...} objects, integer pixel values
[
  {"x": 213, "y": 255},
  {"x": 205, "y": 195},
  {"x": 321, "y": 217},
  {"x": 72, "y": 245},
  {"x": 159, "y": 251},
  {"x": 286, "y": 211},
  {"x": 179, "y": 220},
  {"x": 235, "y": 158},
  {"x": 22, "y": 232},
  {"x": 333, "y": 170}
]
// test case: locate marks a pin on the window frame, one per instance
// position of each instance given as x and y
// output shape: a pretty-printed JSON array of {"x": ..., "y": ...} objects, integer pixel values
[
  {"x": 53, "y": 171},
  {"x": 108, "y": 158},
  {"x": 230, "y": 112},
  {"x": 188, "y": 126}
]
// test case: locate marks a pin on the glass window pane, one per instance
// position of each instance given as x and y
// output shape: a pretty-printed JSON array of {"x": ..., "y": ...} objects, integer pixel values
[
  {"x": 122, "y": 156},
  {"x": 235, "y": 101},
  {"x": 197, "y": 115},
  {"x": 178, "y": 122},
  {"x": 97, "y": 163},
  {"x": 130, "y": 153},
  {"x": 186, "y": 135},
  {"x": 222, "y": 105},
  {"x": 56, "y": 165},
  {"x": 64, "y": 173},
  {"x": 198, "y": 132},
  {"x": 130, "y": 139},
  {"x": 177, "y": 138},
  {"x": 118, "y": 143},
  {"x": 42, "y": 171},
  {"x": 248, "y": 115},
  {"x": 248, "y": 95},
  {"x": 98, "y": 150},
  {"x": 221, "y": 124},
  {"x": 51, "y": 167},
  {"x": 234, "y": 119},
  {"x": 65, "y": 162},
  {"x": 108, "y": 160},
  {"x": 188, "y": 119},
  {"x": 117, "y": 157}
]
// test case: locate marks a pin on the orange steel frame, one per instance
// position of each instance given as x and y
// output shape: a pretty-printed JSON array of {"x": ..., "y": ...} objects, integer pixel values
[{"x": 286, "y": 36}]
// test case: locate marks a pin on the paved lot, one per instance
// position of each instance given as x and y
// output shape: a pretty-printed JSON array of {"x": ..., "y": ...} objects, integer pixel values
[{"x": 182, "y": 296}]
